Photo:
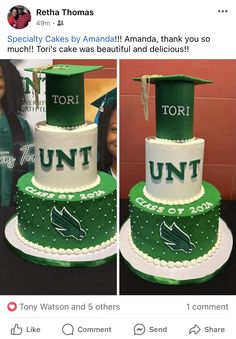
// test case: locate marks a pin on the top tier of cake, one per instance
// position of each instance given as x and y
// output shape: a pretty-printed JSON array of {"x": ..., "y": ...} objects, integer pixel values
[
  {"x": 65, "y": 145},
  {"x": 174, "y": 104},
  {"x": 64, "y": 93}
]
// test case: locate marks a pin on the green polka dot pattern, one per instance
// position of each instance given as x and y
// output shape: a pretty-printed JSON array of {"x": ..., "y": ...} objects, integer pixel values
[
  {"x": 198, "y": 221},
  {"x": 95, "y": 210}
]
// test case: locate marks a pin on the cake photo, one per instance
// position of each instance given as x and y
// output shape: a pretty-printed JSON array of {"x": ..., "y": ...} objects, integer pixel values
[
  {"x": 66, "y": 209},
  {"x": 174, "y": 234}
]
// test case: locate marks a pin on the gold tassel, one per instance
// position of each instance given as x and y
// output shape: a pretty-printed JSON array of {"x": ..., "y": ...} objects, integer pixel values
[
  {"x": 145, "y": 84},
  {"x": 36, "y": 72}
]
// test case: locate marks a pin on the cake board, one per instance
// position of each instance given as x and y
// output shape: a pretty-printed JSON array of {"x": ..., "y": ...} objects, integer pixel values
[
  {"x": 82, "y": 260},
  {"x": 177, "y": 276}
]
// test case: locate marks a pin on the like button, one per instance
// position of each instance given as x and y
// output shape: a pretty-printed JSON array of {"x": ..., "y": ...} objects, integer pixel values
[{"x": 16, "y": 330}]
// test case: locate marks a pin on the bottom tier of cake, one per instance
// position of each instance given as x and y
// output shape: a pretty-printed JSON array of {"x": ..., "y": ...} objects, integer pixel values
[
  {"x": 175, "y": 236},
  {"x": 64, "y": 223}
]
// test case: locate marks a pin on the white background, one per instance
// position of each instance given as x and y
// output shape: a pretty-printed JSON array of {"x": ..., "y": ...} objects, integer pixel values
[
  {"x": 133, "y": 18},
  {"x": 158, "y": 312}
]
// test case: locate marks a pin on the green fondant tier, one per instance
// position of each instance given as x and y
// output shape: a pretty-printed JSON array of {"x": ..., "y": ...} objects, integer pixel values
[
  {"x": 174, "y": 233},
  {"x": 71, "y": 220},
  {"x": 170, "y": 97},
  {"x": 60, "y": 112}
]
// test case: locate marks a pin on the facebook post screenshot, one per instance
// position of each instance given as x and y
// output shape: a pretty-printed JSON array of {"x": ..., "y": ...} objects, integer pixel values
[{"x": 117, "y": 169}]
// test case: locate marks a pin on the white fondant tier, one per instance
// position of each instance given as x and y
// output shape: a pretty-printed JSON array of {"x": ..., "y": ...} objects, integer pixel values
[
  {"x": 169, "y": 154},
  {"x": 61, "y": 176}
]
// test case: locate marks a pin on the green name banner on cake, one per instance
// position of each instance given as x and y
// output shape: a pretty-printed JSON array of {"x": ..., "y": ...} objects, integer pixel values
[
  {"x": 65, "y": 100},
  {"x": 175, "y": 107}
]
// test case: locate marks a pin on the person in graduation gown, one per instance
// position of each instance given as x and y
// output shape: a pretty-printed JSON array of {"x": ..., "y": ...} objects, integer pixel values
[
  {"x": 107, "y": 133},
  {"x": 15, "y": 133}
]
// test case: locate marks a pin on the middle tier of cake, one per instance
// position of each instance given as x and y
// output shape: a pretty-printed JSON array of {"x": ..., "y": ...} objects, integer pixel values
[
  {"x": 65, "y": 159},
  {"x": 174, "y": 170}
]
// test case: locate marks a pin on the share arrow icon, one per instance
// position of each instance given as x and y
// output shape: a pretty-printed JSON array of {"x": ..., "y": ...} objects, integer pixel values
[{"x": 195, "y": 329}]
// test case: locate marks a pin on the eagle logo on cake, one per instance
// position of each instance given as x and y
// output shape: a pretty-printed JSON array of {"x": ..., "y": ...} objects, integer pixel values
[
  {"x": 67, "y": 225},
  {"x": 175, "y": 238}
]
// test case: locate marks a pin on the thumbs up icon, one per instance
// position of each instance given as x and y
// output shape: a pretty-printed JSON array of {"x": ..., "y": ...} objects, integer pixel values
[{"x": 16, "y": 330}]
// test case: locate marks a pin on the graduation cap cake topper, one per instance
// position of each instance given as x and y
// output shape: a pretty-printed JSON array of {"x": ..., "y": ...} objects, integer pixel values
[
  {"x": 64, "y": 93},
  {"x": 174, "y": 104}
]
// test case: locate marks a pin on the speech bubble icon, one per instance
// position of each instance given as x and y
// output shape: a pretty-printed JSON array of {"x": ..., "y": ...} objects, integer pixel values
[
  {"x": 195, "y": 329},
  {"x": 139, "y": 329},
  {"x": 68, "y": 329}
]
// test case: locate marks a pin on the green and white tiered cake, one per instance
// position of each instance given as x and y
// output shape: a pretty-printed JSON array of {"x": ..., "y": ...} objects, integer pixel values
[
  {"x": 66, "y": 209},
  {"x": 174, "y": 215}
]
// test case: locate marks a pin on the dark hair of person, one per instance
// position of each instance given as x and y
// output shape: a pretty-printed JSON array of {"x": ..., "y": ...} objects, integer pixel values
[
  {"x": 12, "y": 9},
  {"x": 14, "y": 98},
  {"x": 104, "y": 156}
]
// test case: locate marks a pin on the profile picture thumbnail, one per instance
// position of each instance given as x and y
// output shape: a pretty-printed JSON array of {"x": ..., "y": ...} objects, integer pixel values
[{"x": 19, "y": 17}]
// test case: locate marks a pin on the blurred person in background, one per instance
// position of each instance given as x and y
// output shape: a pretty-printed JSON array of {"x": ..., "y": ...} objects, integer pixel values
[
  {"x": 15, "y": 134},
  {"x": 107, "y": 134}
]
